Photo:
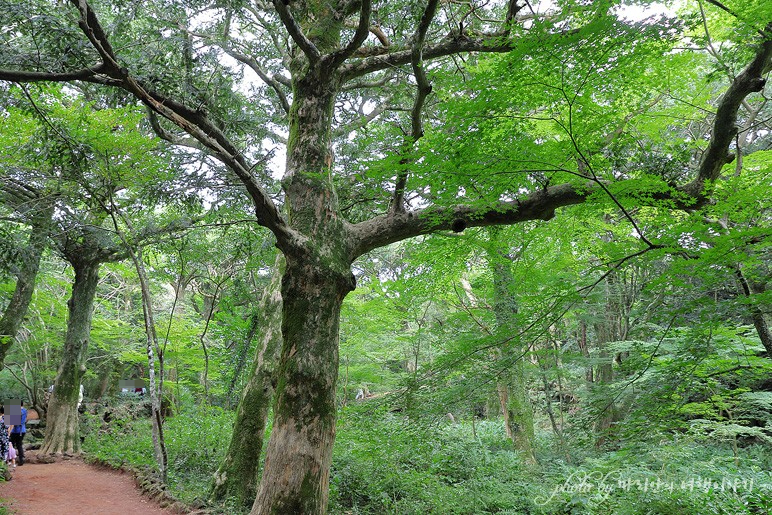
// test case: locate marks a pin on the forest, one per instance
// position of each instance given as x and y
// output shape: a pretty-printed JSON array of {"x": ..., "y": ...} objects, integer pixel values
[{"x": 357, "y": 257}]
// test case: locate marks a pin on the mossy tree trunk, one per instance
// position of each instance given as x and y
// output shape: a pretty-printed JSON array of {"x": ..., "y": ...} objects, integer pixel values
[
  {"x": 612, "y": 325},
  {"x": 296, "y": 474},
  {"x": 512, "y": 386},
  {"x": 62, "y": 435},
  {"x": 316, "y": 279},
  {"x": 239, "y": 470},
  {"x": 26, "y": 275}
]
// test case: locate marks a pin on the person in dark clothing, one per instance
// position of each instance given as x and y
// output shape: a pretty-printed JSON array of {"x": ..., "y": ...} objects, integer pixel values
[{"x": 18, "y": 432}]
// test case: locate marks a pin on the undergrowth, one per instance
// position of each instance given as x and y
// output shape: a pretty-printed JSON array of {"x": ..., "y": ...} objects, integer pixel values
[
  {"x": 196, "y": 441},
  {"x": 385, "y": 463}
]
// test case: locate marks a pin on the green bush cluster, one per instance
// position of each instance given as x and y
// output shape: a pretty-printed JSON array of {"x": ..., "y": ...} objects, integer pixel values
[{"x": 387, "y": 463}]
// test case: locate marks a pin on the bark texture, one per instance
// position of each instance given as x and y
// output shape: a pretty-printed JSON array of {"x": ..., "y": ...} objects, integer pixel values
[
  {"x": 62, "y": 435},
  {"x": 26, "y": 275},
  {"x": 512, "y": 386},
  {"x": 299, "y": 452},
  {"x": 238, "y": 473}
]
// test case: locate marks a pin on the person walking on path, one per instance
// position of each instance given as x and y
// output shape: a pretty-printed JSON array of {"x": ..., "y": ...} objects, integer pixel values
[{"x": 19, "y": 429}]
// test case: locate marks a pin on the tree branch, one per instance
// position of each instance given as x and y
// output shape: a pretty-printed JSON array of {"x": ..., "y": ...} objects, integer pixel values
[
  {"x": 392, "y": 227},
  {"x": 717, "y": 154},
  {"x": 362, "y": 121},
  {"x": 423, "y": 88},
  {"x": 249, "y": 61},
  {"x": 192, "y": 121},
  {"x": 296, "y": 32},
  {"x": 25, "y": 76},
  {"x": 369, "y": 84},
  {"x": 165, "y": 135},
  {"x": 454, "y": 43},
  {"x": 255, "y": 66},
  {"x": 512, "y": 9},
  {"x": 363, "y": 29}
]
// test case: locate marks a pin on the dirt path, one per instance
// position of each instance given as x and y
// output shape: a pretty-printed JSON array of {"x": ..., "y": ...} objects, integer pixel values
[{"x": 73, "y": 487}]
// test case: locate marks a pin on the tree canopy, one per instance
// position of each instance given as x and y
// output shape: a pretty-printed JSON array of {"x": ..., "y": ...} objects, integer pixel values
[{"x": 396, "y": 121}]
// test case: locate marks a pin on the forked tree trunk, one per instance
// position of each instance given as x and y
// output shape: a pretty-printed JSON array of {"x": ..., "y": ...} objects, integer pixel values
[
  {"x": 18, "y": 306},
  {"x": 238, "y": 472},
  {"x": 316, "y": 279},
  {"x": 296, "y": 473},
  {"x": 62, "y": 434}
]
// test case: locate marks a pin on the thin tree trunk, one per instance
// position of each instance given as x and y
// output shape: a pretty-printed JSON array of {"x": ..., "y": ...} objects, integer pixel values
[
  {"x": 18, "y": 306},
  {"x": 62, "y": 434},
  {"x": 606, "y": 330},
  {"x": 588, "y": 371},
  {"x": 239, "y": 470},
  {"x": 515, "y": 402},
  {"x": 104, "y": 383},
  {"x": 156, "y": 386}
]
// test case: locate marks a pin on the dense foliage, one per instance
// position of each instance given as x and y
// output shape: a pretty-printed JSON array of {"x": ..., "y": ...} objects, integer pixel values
[{"x": 566, "y": 309}]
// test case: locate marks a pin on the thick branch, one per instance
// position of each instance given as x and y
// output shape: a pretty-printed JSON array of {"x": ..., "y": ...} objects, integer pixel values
[
  {"x": 453, "y": 44},
  {"x": 24, "y": 76},
  {"x": 363, "y": 29},
  {"x": 512, "y": 9},
  {"x": 296, "y": 32},
  {"x": 392, "y": 227},
  {"x": 717, "y": 154},
  {"x": 90, "y": 26}
]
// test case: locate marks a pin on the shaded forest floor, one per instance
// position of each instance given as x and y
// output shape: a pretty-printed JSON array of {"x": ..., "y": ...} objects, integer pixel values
[{"x": 73, "y": 487}]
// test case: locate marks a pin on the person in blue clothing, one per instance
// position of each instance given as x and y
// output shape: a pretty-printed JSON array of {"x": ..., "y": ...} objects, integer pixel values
[{"x": 18, "y": 432}]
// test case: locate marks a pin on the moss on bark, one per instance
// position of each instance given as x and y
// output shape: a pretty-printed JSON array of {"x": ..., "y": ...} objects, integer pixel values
[{"x": 62, "y": 435}]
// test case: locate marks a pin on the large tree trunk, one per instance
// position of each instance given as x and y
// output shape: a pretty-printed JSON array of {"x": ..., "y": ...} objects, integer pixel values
[
  {"x": 316, "y": 279},
  {"x": 238, "y": 472},
  {"x": 17, "y": 308},
  {"x": 296, "y": 474},
  {"x": 62, "y": 434}
]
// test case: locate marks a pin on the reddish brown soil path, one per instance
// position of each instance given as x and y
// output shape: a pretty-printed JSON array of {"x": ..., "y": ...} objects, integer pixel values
[{"x": 72, "y": 487}]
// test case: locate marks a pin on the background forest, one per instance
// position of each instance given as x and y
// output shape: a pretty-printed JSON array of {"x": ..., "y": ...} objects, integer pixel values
[{"x": 608, "y": 355}]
